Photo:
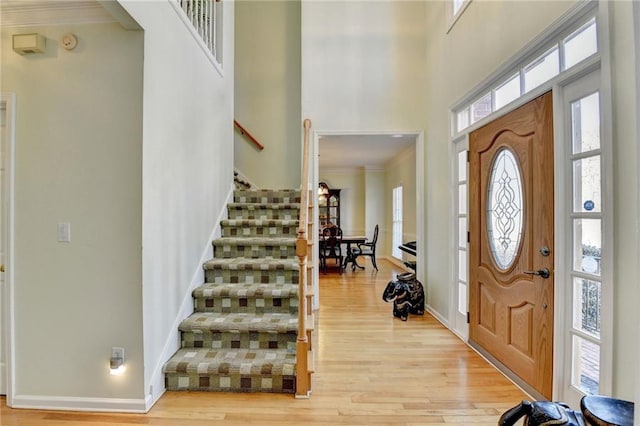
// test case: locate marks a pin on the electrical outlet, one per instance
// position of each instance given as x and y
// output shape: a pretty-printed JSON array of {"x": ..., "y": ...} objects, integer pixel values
[{"x": 117, "y": 352}]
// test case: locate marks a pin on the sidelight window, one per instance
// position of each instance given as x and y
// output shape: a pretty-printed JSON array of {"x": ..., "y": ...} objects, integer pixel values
[{"x": 587, "y": 229}]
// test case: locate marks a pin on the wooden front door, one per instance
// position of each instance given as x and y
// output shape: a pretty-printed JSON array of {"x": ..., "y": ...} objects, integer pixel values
[{"x": 511, "y": 241}]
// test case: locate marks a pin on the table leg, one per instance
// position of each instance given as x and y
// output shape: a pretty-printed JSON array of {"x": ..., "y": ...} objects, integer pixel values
[{"x": 351, "y": 258}]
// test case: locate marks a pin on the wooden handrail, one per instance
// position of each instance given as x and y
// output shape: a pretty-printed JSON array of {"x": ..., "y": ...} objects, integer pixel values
[
  {"x": 249, "y": 136},
  {"x": 303, "y": 373}
]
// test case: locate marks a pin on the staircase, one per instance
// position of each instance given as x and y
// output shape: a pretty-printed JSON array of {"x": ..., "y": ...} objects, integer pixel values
[{"x": 243, "y": 332}]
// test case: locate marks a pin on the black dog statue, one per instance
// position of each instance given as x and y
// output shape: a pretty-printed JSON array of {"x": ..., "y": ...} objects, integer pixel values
[{"x": 407, "y": 295}]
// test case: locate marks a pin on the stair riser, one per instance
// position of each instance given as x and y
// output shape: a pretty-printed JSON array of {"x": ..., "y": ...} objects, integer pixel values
[
  {"x": 266, "y": 196},
  {"x": 234, "y": 276},
  {"x": 227, "y": 251},
  {"x": 246, "y": 305},
  {"x": 239, "y": 340},
  {"x": 262, "y": 213},
  {"x": 268, "y": 231}
]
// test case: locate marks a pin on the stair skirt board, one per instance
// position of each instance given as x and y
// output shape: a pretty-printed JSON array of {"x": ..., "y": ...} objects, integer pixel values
[{"x": 242, "y": 334}]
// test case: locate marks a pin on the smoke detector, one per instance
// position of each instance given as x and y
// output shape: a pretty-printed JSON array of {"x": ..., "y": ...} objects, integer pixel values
[{"x": 69, "y": 41}]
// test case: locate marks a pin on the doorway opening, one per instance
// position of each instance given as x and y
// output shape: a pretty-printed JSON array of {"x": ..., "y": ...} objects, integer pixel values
[{"x": 366, "y": 166}]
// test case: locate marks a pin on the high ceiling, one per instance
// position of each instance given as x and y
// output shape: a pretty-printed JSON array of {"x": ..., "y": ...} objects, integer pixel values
[{"x": 349, "y": 151}]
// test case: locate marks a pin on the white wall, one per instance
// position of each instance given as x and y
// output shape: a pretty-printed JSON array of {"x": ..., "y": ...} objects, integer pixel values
[
  {"x": 78, "y": 160},
  {"x": 187, "y": 170},
  {"x": 474, "y": 48},
  {"x": 458, "y": 61},
  {"x": 350, "y": 181},
  {"x": 625, "y": 148},
  {"x": 363, "y": 65},
  {"x": 401, "y": 171},
  {"x": 267, "y": 92},
  {"x": 375, "y": 206}
]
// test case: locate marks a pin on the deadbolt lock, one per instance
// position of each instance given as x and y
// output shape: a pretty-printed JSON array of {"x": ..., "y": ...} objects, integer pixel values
[{"x": 545, "y": 251}]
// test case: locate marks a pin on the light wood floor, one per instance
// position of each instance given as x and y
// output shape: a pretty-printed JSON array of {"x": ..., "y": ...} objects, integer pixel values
[{"x": 371, "y": 369}]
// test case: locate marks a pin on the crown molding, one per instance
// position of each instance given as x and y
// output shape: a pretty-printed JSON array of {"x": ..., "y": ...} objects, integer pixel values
[{"x": 21, "y": 13}]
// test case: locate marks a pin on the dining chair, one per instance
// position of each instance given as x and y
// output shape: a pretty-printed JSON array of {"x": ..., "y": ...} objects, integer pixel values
[
  {"x": 331, "y": 247},
  {"x": 369, "y": 249}
]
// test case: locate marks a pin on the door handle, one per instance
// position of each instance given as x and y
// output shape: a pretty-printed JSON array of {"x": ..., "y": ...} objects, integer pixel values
[{"x": 543, "y": 272}]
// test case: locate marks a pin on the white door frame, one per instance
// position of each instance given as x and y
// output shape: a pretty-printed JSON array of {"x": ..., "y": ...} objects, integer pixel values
[
  {"x": 7, "y": 341},
  {"x": 636, "y": 40},
  {"x": 562, "y": 295},
  {"x": 421, "y": 257},
  {"x": 458, "y": 320}
]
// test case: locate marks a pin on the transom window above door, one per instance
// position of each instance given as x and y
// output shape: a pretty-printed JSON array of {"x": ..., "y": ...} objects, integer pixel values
[{"x": 563, "y": 53}]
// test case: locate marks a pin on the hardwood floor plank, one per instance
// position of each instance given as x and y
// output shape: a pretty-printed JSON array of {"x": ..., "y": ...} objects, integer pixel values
[{"x": 371, "y": 369}]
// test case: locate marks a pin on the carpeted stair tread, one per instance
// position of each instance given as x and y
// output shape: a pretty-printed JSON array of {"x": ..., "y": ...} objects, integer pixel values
[
  {"x": 267, "y": 196},
  {"x": 246, "y": 290},
  {"x": 254, "y": 241},
  {"x": 273, "y": 248},
  {"x": 289, "y": 211},
  {"x": 259, "y": 222},
  {"x": 264, "y": 228},
  {"x": 231, "y": 370},
  {"x": 264, "y": 206},
  {"x": 207, "y": 361},
  {"x": 240, "y": 322},
  {"x": 251, "y": 264},
  {"x": 252, "y": 270},
  {"x": 256, "y": 298}
]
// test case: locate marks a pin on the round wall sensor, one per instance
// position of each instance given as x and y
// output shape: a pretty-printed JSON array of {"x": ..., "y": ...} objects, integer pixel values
[{"x": 69, "y": 41}]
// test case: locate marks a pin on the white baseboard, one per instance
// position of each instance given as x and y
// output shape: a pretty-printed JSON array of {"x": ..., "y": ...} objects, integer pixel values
[
  {"x": 438, "y": 317},
  {"x": 156, "y": 382},
  {"x": 398, "y": 263},
  {"x": 112, "y": 405}
]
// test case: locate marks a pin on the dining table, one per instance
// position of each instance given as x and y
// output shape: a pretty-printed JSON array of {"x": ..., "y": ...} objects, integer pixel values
[{"x": 351, "y": 256}]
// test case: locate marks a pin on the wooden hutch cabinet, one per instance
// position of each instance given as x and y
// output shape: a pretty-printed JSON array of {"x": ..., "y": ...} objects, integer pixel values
[{"x": 328, "y": 205}]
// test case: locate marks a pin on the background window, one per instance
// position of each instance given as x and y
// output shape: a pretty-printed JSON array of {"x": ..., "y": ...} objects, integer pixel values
[{"x": 397, "y": 223}]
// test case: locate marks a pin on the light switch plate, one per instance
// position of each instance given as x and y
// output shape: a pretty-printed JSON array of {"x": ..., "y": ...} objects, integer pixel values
[{"x": 64, "y": 232}]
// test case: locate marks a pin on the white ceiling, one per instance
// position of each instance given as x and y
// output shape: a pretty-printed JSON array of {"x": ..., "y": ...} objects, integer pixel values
[{"x": 348, "y": 151}]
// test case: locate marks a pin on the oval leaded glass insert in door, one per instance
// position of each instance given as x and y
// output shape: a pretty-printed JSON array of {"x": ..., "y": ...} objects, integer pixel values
[{"x": 504, "y": 208}]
